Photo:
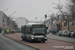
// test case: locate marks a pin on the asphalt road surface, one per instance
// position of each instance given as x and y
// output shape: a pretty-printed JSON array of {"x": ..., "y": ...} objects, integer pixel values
[
  {"x": 63, "y": 38},
  {"x": 8, "y": 44}
]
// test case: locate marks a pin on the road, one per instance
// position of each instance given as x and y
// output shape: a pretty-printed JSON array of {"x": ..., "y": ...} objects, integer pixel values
[
  {"x": 8, "y": 44},
  {"x": 61, "y": 38},
  {"x": 48, "y": 45}
]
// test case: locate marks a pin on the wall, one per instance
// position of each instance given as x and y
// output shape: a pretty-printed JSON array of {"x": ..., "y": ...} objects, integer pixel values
[
  {"x": 71, "y": 28},
  {"x": 3, "y": 17}
]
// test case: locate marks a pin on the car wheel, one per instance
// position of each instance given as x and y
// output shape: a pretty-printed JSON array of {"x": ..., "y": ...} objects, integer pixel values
[{"x": 71, "y": 36}]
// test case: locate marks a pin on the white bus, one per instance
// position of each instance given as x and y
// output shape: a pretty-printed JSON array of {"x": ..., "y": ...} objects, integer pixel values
[{"x": 34, "y": 32}]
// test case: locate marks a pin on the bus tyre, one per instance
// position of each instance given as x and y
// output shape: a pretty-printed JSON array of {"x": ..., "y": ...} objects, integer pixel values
[
  {"x": 31, "y": 41},
  {"x": 22, "y": 39},
  {"x": 43, "y": 41}
]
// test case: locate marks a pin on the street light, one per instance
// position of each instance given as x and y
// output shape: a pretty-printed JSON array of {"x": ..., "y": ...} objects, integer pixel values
[{"x": 35, "y": 19}]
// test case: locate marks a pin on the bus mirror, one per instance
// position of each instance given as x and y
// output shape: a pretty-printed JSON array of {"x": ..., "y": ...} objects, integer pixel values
[{"x": 30, "y": 29}]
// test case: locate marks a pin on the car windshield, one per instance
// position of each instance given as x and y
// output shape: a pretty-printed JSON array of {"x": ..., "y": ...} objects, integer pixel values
[{"x": 39, "y": 30}]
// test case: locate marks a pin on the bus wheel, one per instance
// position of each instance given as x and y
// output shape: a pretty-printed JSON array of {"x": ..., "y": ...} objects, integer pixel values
[
  {"x": 43, "y": 41},
  {"x": 31, "y": 41},
  {"x": 23, "y": 39}
]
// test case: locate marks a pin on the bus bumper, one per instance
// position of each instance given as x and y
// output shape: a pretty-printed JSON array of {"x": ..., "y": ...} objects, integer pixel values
[{"x": 39, "y": 39}]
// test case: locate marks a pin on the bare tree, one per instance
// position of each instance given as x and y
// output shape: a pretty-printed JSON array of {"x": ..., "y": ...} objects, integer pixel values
[
  {"x": 71, "y": 9},
  {"x": 52, "y": 18}
]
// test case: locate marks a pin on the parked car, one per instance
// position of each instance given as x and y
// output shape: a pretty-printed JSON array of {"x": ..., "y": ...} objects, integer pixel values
[
  {"x": 68, "y": 33},
  {"x": 48, "y": 31},
  {"x": 65, "y": 32},
  {"x": 13, "y": 31},
  {"x": 60, "y": 33},
  {"x": 54, "y": 31},
  {"x": 72, "y": 34}
]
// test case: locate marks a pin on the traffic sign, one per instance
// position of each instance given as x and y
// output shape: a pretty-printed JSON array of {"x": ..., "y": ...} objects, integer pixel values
[{"x": 3, "y": 25}]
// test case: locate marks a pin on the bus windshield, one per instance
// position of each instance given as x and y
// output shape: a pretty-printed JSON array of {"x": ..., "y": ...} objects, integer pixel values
[{"x": 39, "y": 30}]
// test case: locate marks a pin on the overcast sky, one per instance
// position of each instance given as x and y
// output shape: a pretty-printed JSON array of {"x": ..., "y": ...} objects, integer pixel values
[{"x": 29, "y": 8}]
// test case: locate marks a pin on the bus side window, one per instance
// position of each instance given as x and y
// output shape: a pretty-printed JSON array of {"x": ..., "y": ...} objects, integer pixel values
[
  {"x": 28, "y": 30},
  {"x": 22, "y": 29}
]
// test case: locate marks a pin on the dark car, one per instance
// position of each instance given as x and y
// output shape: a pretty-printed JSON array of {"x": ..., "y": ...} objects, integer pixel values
[
  {"x": 68, "y": 33},
  {"x": 72, "y": 34},
  {"x": 13, "y": 31},
  {"x": 48, "y": 31},
  {"x": 54, "y": 32}
]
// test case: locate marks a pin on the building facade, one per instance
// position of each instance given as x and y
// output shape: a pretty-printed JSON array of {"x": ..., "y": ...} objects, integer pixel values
[{"x": 4, "y": 21}]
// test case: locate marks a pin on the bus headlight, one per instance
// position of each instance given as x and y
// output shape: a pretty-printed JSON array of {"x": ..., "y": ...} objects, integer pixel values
[
  {"x": 32, "y": 37},
  {"x": 45, "y": 37}
]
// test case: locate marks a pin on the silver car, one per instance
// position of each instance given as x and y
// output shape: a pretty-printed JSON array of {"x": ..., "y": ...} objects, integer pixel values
[
  {"x": 65, "y": 32},
  {"x": 60, "y": 33}
]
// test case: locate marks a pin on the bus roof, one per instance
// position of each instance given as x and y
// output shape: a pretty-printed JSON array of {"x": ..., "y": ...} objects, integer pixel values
[{"x": 32, "y": 23}]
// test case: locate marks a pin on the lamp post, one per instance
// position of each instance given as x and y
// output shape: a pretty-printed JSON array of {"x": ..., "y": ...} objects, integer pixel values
[{"x": 35, "y": 19}]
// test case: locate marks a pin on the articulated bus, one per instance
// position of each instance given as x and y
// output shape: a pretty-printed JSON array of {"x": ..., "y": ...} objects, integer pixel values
[{"x": 34, "y": 32}]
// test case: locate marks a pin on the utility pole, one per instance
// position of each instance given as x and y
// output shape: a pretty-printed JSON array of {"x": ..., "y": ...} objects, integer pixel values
[{"x": 35, "y": 19}]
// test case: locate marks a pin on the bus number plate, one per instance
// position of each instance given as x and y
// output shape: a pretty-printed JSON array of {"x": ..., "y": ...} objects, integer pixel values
[{"x": 39, "y": 39}]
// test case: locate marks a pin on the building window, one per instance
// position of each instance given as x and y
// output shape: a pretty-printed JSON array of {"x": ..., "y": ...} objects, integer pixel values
[
  {"x": 3, "y": 20},
  {"x": 4, "y": 15}
]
